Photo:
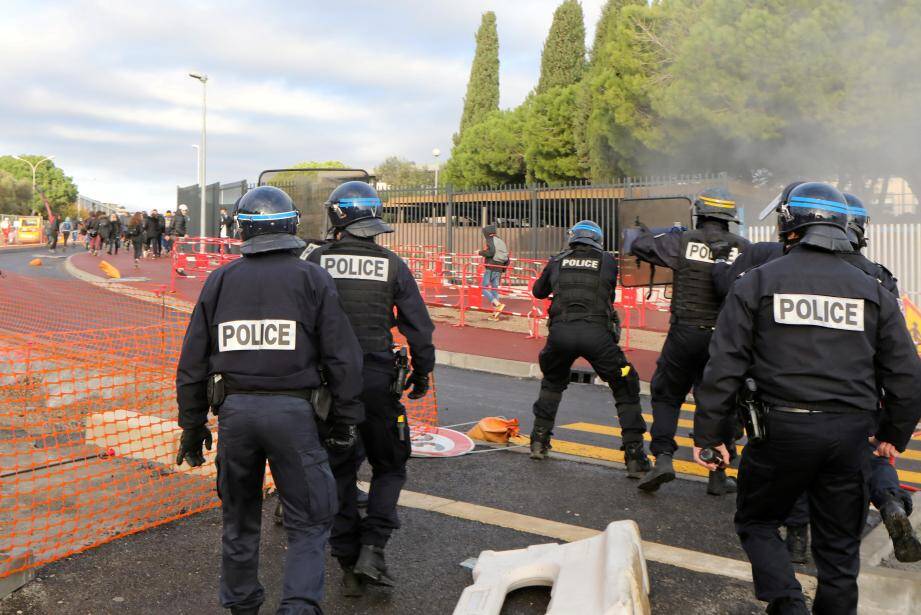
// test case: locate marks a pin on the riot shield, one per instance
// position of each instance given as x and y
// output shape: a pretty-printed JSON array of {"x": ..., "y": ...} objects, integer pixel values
[
  {"x": 660, "y": 215},
  {"x": 309, "y": 189}
]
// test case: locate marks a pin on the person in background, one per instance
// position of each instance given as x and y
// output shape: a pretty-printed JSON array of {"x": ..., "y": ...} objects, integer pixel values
[
  {"x": 153, "y": 229},
  {"x": 135, "y": 234},
  {"x": 114, "y": 233},
  {"x": 54, "y": 228},
  {"x": 5, "y": 230},
  {"x": 166, "y": 241},
  {"x": 495, "y": 254},
  {"x": 226, "y": 229},
  {"x": 66, "y": 228},
  {"x": 181, "y": 221},
  {"x": 100, "y": 232}
]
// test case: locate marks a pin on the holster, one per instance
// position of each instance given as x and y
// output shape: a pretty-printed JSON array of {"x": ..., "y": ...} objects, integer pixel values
[
  {"x": 322, "y": 401},
  {"x": 216, "y": 392},
  {"x": 401, "y": 370},
  {"x": 753, "y": 412}
]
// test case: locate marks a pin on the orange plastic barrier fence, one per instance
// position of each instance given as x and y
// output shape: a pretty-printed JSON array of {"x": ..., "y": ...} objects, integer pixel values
[
  {"x": 198, "y": 256},
  {"x": 88, "y": 433}
]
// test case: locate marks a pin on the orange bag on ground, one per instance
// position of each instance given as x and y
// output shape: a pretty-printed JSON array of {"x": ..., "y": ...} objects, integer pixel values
[{"x": 494, "y": 429}]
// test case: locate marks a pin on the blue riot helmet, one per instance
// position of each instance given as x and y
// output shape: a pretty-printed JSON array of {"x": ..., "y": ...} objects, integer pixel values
[
  {"x": 587, "y": 232},
  {"x": 817, "y": 212},
  {"x": 354, "y": 206},
  {"x": 856, "y": 221},
  {"x": 716, "y": 203},
  {"x": 268, "y": 221}
]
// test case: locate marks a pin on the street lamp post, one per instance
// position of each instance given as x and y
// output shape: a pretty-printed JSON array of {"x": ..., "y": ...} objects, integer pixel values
[
  {"x": 34, "y": 166},
  {"x": 202, "y": 153},
  {"x": 436, "y": 153}
]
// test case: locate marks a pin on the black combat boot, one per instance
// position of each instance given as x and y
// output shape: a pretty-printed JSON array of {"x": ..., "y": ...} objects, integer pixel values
[
  {"x": 353, "y": 586},
  {"x": 720, "y": 484},
  {"x": 540, "y": 439},
  {"x": 664, "y": 472},
  {"x": 235, "y": 610},
  {"x": 372, "y": 567},
  {"x": 904, "y": 539},
  {"x": 798, "y": 543},
  {"x": 787, "y": 606},
  {"x": 636, "y": 460}
]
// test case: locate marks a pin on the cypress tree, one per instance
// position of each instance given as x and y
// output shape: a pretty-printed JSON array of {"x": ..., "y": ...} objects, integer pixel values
[
  {"x": 563, "y": 58},
  {"x": 483, "y": 87}
]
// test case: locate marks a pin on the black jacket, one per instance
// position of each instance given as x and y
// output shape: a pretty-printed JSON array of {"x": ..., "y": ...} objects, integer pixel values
[
  {"x": 794, "y": 325},
  {"x": 293, "y": 307},
  {"x": 180, "y": 225}
]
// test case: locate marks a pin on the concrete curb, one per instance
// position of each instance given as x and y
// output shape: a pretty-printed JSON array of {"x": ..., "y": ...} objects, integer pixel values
[{"x": 12, "y": 582}]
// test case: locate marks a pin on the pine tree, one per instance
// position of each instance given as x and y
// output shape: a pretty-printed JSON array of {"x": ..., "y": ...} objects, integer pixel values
[
  {"x": 482, "y": 96},
  {"x": 563, "y": 58}
]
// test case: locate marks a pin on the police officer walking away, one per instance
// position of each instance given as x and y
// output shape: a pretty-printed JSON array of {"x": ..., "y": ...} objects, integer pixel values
[
  {"x": 262, "y": 327},
  {"x": 694, "y": 307},
  {"x": 372, "y": 280},
  {"x": 583, "y": 323},
  {"x": 820, "y": 339}
]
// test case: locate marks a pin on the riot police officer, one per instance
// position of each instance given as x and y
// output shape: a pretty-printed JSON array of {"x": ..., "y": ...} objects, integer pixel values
[
  {"x": 262, "y": 327},
  {"x": 583, "y": 323},
  {"x": 694, "y": 308},
  {"x": 372, "y": 281},
  {"x": 820, "y": 339}
]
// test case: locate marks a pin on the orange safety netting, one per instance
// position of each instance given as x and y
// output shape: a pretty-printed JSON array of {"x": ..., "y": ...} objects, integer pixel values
[{"x": 88, "y": 432}]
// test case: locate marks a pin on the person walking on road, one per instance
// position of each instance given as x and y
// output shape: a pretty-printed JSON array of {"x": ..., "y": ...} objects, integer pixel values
[
  {"x": 5, "y": 230},
  {"x": 54, "y": 229},
  {"x": 582, "y": 280},
  {"x": 694, "y": 307},
  {"x": 67, "y": 228},
  {"x": 181, "y": 221},
  {"x": 819, "y": 339},
  {"x": 135, "y": 234},
  {"x": 153, "y": 230},
  {"x": 261, "y": 330},
  {"x": 373, "y": 283},
  {"x": 496, "y": 259},
  {"x": 103, "y": 228},
  {"x": 114, "y": 237}
]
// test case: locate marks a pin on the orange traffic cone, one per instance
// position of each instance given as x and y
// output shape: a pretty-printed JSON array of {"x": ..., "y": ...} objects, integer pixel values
[
  {"x": 494, "y": 429},
  {"x": 109, "y": 270}
]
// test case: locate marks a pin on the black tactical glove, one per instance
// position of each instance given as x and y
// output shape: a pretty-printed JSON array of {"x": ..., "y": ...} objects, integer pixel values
[
  {"x": 419, "y": 383},
  {"x": 720, "y": 250},
  {"x": 642, "y": 226},
  {"x": 190, "y": 445},
  {"x": 340, "y": 437}
]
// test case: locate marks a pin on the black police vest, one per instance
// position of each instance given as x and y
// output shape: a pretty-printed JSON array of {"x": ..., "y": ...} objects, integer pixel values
[
  {"x": 364, "y": 273},
  {"x": 694, "y": 300},
  {"x": 580, "y": 292}
]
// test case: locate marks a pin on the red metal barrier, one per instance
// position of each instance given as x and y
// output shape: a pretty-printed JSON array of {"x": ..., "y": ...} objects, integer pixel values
[{"x": 197, "y": 260}]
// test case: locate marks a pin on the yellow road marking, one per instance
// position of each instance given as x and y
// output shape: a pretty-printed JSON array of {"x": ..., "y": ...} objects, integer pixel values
[
  {"x": 907, "y": 476},
  {"x": 688, "y": 423}
]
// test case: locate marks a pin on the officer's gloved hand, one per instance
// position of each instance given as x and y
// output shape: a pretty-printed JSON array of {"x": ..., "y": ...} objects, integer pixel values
[
  {"x": 190, "y": 445},
  {"x": 341, "y": 437},
  {"x": 419, "y": 383},
  {"x": 720, "y": 250}
]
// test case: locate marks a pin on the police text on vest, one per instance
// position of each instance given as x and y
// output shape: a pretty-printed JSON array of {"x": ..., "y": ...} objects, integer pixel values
[
  {"x": 701, "y": 253},
  {"x": 256, "y": 335},
  {"x": 355, "y": 267},
  {"x": 819, "y": 311},
  {"x": 581, "y": 263}
]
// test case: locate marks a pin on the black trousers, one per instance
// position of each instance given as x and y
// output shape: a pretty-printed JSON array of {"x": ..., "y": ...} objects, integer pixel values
[
  {"x": 678, "y": 370},
  {"x": 884, "y": 486},
  {"x": 153, "y": 244},
  {"x": 825, "y": 456},
  {"x": 138, "y": 244},
  {"x": 386, "y": 445},
  {"x": 596, "y": 344},
  {"x": 282, "y": 429}
]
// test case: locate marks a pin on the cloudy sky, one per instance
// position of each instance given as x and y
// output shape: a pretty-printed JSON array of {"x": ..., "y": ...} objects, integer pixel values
[{"x": 103, "y": 85}]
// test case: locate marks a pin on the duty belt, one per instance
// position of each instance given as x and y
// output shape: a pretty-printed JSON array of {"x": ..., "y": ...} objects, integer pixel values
[
  {"x": 796, "y": 410},
  {"x": 299, "y": 393}
]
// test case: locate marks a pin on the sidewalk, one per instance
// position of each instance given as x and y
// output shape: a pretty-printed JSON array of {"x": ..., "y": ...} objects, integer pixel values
[{"x": 498, "y": 347}]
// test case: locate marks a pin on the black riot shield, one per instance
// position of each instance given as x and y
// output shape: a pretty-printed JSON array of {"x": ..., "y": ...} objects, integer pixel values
[
  {"x": 309, "y": 188},
  {"x": 660, "y": 215}
]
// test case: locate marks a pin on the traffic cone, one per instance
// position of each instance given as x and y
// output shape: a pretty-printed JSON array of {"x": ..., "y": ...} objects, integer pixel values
[{"x": 109, "y": 270}]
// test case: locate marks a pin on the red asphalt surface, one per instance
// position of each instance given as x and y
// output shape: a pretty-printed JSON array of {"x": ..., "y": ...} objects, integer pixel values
[{"x": 488, "y": 343}]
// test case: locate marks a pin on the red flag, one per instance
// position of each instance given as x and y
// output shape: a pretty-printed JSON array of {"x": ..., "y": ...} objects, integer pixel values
[{"x": 51, "y": 216}]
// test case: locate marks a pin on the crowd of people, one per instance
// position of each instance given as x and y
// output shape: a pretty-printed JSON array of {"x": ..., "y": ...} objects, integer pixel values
[{"x": 146, "y": 234}]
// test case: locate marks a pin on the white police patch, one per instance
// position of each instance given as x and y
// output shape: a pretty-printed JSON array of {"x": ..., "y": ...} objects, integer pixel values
[
  {"x": 581, "y": 263},
  {"x": 819, "y": 311},
  {"x": 355, "y": 267},
  {"x": 256, "y": 335},
  {"x": 700, "y": 252}
]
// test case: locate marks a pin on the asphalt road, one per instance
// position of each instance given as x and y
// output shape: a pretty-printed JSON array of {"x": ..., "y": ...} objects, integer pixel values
[{"x": 16, "y": 260}]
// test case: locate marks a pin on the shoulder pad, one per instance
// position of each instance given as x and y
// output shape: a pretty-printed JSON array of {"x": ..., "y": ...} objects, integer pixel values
[
  {"x": 562, "y": 255},
  {"x": 886, "y": 272}
]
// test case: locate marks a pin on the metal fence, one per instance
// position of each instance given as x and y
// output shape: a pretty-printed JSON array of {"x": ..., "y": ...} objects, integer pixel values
[
  {"x": 896, "y": 246},
  {"x": 533, "y": 220}
]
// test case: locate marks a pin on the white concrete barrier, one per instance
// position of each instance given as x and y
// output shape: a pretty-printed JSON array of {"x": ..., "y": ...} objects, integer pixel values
[{"x": 603, "y": 575}]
